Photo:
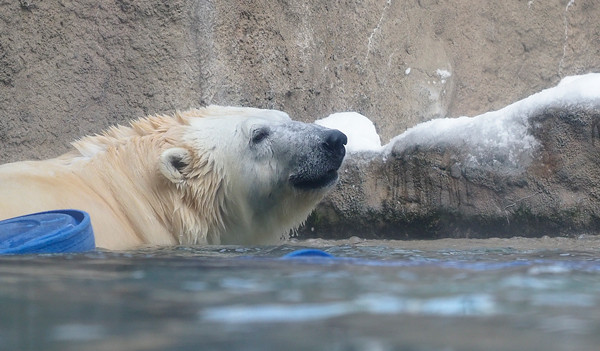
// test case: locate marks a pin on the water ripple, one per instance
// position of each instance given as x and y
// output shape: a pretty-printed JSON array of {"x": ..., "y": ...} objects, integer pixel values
[{"x": 459, "y": 305}]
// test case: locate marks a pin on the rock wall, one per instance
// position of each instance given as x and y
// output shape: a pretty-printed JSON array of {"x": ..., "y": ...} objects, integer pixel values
[
  {"x": 70, "y": 68},
  {"x": 436, "y": 191}
]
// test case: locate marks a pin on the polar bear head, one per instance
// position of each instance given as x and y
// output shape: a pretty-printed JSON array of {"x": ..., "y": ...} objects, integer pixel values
[{"x": 245, "y": 175}]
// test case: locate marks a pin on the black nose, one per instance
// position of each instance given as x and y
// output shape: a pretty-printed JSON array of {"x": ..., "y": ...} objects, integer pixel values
[{"x": 335, "y": 141}]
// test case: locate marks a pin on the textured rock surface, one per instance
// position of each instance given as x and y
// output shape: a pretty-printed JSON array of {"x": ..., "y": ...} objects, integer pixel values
[
  {"x": 69, "y": 68},
  {"x": 435, "y": 191}
]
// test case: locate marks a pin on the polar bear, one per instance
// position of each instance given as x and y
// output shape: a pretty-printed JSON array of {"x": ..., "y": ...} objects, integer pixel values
[{"x": 214, "y": 175}]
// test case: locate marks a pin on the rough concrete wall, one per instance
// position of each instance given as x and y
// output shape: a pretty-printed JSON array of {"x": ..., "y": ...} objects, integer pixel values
[{"x": 69, "y": 68}]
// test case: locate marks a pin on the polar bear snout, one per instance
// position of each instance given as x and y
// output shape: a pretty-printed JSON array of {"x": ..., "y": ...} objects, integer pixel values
[
  {"x": 334, "y": 143},
  {"x": 318, "y": 168}
]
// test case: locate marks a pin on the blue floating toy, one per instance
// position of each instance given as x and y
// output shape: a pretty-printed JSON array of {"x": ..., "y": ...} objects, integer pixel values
[
  {"x": 306, "y": 253},
  {"x": 47, "y": 232}
]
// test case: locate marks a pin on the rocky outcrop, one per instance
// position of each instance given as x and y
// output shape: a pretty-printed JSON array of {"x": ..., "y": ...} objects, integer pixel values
[
  {"x": 71, "y": 68},
  {"x": 441, "y": 189}
]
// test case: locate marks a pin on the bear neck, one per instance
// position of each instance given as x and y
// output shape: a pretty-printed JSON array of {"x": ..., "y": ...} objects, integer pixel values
[{"x": 125, "y": 175}]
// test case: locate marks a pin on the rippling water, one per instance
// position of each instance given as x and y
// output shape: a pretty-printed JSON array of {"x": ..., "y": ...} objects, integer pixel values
[{"x": 497, "y": 294}]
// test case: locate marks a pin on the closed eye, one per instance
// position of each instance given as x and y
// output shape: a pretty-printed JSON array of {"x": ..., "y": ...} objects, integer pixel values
[{"x": 260, "y": 134}]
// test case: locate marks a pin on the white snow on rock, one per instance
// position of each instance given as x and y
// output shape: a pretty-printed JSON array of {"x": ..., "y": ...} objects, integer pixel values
[
  {"x": 493, "y": 136},
  {"x": 360, "y": 131},
  {"x": 501, "y": 134}
]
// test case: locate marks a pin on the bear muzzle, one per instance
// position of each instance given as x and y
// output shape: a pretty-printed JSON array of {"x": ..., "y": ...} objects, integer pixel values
[{"x": 320, "y": 168}]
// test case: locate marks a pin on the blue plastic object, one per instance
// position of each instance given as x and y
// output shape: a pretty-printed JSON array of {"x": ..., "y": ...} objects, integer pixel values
[
  {"x": 307, "y": 253},
  {"x": 47, "y": 232}
]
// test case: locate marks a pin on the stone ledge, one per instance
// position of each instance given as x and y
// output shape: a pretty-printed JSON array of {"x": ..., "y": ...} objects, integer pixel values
[{"x": 435, "y": 192}]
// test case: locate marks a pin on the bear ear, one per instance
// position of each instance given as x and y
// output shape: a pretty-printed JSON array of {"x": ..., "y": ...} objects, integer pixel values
[{"x": 173, "y": 162}]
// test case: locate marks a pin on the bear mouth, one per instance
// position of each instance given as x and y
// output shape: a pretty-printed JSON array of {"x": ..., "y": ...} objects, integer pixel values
[{"x": 326, "y": 180}]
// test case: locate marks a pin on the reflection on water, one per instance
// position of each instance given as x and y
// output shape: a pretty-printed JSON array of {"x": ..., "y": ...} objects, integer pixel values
[
  {"x": 465, "y": 305},
  {"x": 374, "y": 295}
]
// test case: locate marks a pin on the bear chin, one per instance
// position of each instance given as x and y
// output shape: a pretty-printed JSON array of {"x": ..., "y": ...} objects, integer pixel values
[{"x": 325, "y": 181}]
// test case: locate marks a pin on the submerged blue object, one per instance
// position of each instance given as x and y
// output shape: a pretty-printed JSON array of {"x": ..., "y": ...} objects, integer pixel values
[
  {"x": 47, "y": 232},
  {"x": 308, "y": 253}
]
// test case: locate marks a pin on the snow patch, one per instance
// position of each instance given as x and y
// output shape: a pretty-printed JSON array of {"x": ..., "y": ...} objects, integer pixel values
[
  {"x": 497, "y": 136},
  {"x": 500, "y": 135},
  {"x": 360, "y": 131}
]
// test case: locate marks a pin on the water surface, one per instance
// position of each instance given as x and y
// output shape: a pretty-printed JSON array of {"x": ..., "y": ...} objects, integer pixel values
[{"x": 495, "y": 294}]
